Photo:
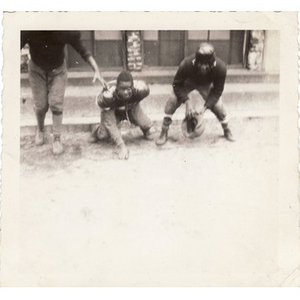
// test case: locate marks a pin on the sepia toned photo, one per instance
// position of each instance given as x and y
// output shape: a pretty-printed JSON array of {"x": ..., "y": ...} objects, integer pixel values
[{"x": 141, "y": 151}]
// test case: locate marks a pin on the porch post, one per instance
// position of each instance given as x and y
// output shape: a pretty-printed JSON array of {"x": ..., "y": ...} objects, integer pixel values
[{"x": 256, "y": 48}]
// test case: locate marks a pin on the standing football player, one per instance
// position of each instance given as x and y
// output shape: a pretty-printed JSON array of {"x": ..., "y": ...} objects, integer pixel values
[{"x": 48, "y": 76}]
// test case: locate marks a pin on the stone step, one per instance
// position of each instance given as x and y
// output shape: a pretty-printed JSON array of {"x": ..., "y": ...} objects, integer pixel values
[
  {"x": 75, "y": 124},
  {"x": 165, "y": 89},
  {"x": 80, "y": 101},
  {"x": 165, "y": 76}
]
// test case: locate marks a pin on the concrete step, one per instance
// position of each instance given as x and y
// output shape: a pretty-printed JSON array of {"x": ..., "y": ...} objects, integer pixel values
[
  {"x": 75, "y": 124},
  {"x": 165, "y": 89},
  {"x": 164, "y": 76},
  {"x": 80, "y": 101}
]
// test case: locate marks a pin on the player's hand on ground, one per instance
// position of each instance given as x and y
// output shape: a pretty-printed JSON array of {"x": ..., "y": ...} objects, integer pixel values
[
  {"x": 123, "y": 152},
  {"x": 189, "y": 112}
]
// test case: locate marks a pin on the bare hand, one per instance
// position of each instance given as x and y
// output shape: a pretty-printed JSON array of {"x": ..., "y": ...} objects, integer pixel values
[
  {"x": 123, "y": 152},
  {"x": 97, "y": 76},
  {"x": 189, "y": 112}
]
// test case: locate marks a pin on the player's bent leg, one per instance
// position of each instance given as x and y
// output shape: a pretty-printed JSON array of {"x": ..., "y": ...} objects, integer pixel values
[
  {"x": 227, "y": 131},
  {"x": 163, "y": 138},
  {"x": 219, "y": 110},
  {"x": 57, "y": 146},
  {"x": 98, "y": 133},
  {"x": 40, "y": 131},
  {"x": 57, "y": 83},
  {"x": 139, "y": 118},
  {"x": 170, "y": 108},
  {"x": 38, "y": 83},
  {"x": 93, "y": 136}
]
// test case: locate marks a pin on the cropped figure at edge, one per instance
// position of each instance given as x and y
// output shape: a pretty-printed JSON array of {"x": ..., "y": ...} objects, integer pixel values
[{"x": 47, "y": 73}]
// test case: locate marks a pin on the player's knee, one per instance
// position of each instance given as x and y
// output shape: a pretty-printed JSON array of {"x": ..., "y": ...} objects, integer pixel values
[
  {"x": 172, "y": 104},
  {"x": 218, "y": 107},
  {"x": 56, "y": 107},
  {"x": 41, "y": 107},
  {"x": 56, "y": 110},
  {"x": 220, "y": 113},
  {"x": 102, "y": 133}
]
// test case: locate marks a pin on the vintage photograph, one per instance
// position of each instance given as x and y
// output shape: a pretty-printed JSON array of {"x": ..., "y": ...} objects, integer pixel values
[{"x": 151, "y": 155}]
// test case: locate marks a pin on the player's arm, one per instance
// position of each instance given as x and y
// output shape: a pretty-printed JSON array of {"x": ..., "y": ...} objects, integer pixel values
[
  {"x": 180, "y": 91},
  {"x": 110, "y": 123},
  {"x": 97, "y": 75},
  {"x": 218, "y": 86},
  {"x": 76, "y": 43},
  {"x": 178, "y": 83},
  {"x": 105, "y": 100}
]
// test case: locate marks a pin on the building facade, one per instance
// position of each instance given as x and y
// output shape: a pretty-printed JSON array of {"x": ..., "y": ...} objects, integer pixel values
[{"x": 135, "y": 50}]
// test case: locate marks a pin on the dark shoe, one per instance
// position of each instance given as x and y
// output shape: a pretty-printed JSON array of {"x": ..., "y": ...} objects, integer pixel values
[
  {"x": 163, "y": 136},
  {"x": 57, "y": 146},
  {"x": 39, "y": 138},
  {"x": 228, "y": 135},
  {"x": 149, "y": 134},
  {"x": 93, "y": 136}
]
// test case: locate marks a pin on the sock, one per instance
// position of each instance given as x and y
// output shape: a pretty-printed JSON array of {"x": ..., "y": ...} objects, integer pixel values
[
  {"x": 57, "y": 123},
  {"x": 167, "y": 120},
  {"x": 224, "y": 122},
  {"x": 40, "y": 117}
]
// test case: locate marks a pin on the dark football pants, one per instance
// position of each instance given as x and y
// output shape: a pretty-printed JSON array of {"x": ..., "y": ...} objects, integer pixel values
[{"x": 218, "y": 109}]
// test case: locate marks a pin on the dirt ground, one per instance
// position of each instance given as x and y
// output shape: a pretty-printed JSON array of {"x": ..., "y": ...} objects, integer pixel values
[
  {"x": 249, "y": 132},
  {"x": 194, "y": 212}
]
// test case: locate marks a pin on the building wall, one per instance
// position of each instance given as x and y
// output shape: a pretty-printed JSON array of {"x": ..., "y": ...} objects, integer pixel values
[
  {"x": 271, "y": 54},
  {"x": 74, "y": 60},
  {"x": 168, "y": 48},
  {"x": 109, "y": 48},
  {"x": 150, "y": 47}
]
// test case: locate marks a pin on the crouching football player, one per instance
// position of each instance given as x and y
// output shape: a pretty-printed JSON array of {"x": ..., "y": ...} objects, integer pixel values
[{"x": 122, "y": 102}]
